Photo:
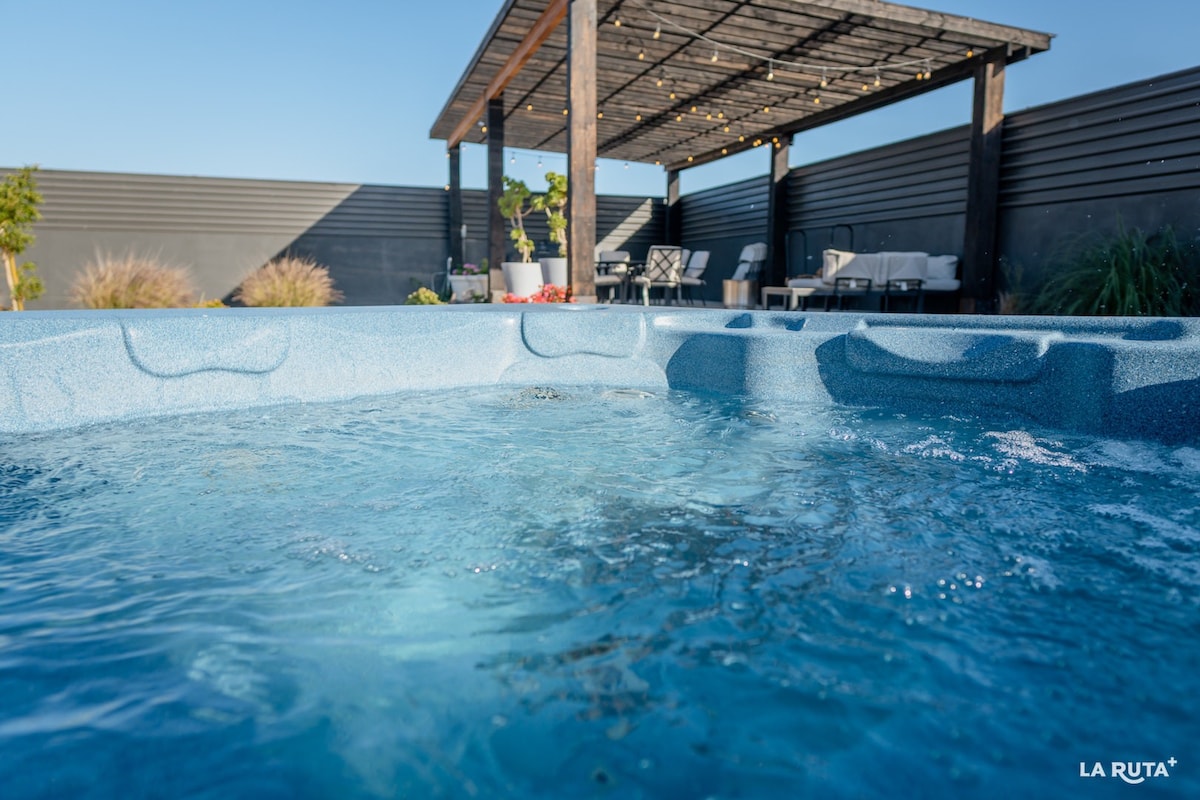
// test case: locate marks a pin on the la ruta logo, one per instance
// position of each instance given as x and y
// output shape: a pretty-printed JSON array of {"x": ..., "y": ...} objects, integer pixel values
[{"x": 1133, "y": 772}]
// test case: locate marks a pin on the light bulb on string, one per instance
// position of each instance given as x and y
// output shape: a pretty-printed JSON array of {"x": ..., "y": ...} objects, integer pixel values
[
  {"x": 824, "y": 80},
  {"x": 714, "y": 57},
  {"x": 617, "y": 22},
  {"x": 878, "y": 80},
  {"x": 770, "y": 70},
  {"x": 657, "y": 31},
  {"x": 641, "y": 55}
]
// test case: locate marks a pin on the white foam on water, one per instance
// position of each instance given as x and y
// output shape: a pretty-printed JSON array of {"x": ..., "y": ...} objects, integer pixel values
[{"x": 1025, "y": 447}]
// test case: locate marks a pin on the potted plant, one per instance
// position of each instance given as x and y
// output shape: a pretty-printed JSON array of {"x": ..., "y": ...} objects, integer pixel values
[
  {"x": 554, "y": 203},
  {"x": 523, "y": 277},
  {"x": 469, "y": 283}
]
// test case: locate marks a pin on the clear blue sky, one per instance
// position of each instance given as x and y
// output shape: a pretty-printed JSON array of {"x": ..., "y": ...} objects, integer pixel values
[{"x": 347, "y": 91}]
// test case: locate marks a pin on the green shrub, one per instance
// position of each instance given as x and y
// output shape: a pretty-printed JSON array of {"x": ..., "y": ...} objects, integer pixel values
[
  {"x": 1130, "y": 274},
  {"x": 424, "y": 297},
  {"x": 288, "y": 281},
  {"x": 131, "y": 281}
]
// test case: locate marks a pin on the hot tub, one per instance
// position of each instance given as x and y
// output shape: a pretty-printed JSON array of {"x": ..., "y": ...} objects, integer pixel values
[{"x": 557, "y": 552}]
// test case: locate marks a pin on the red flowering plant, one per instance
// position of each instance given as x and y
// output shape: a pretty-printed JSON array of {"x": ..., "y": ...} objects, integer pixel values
[{"x": 547, "y": 294}]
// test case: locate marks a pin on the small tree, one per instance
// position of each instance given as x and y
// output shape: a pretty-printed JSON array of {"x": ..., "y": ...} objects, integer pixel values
[
  {"x": 554, "y": 203},
  {"x": 512, "y": 206},
  {"x": 18, "y": 211}
]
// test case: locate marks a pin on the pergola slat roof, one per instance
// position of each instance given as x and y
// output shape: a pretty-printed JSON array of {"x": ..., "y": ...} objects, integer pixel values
[{"x": 869, "y": 54}]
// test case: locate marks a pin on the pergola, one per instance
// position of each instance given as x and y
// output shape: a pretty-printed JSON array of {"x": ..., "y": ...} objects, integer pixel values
[{"x": 685, "y": 82}]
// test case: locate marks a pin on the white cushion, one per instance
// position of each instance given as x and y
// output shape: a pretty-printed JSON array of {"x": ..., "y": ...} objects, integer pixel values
[
  {"x": 940, "y": 285},
  {"x": 806, "y": 283},
  {"x": 941, "y": 267},
  {"x": 905, "y": 265}
]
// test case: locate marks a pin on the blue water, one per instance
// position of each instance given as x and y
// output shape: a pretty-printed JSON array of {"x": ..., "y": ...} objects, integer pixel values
[{"x": 582, "y": 593}]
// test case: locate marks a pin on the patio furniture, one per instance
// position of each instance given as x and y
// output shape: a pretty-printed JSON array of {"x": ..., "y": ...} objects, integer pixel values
[
  {"x": 738, "y": 291},
  {"x": 886, "y": 276},
  {"x": 612, "y": 273},
  {"x": 664, "y": 270},
  {"x": 696, "y": 264}
]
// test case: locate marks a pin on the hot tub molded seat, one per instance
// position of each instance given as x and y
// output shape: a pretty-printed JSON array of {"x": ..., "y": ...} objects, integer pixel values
[{"x": 1115, "y": 376}]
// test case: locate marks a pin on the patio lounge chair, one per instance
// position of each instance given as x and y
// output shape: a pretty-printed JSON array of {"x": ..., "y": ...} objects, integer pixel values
[
  {"x": 664, "y": 270},
  {"x": 612, "y": 272},
  {"x": 696, "y": 265}
]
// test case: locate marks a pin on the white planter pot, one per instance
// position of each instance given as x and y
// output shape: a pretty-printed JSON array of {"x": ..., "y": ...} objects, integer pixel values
[
  {"x": 554, "y": 271},
  {"x": 466, "y": 287},
  {"x": 522, "y": 279}
]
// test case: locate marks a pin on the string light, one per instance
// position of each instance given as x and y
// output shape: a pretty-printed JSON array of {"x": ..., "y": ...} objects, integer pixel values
[
  {"x": 599, "y": 115},
  {"x": 708, "y": 116},
  {"x": 689, "y": 159},
  {"x": 923, "y": 73},
  {"x": 483, "y": 129},
  {"x": 865, "y": 87},
  {"x": 641, "y": 55},
  {"x": 766, "y": 109},
  {"x": 741, "y": 138},
  {"x": 617, "y": 22},
  {"x": 679, "y": 117},
  {"x": 720, "y": 115},
  {"x": 638, "y": 118},
  {"x": 727, "y": 129},
  {"x": 970, "y": 52},
  {"x": 724, "y": 151},
  {"x": 672, "y": 95},
  {"x": 539, "y": 162},
  {"x": 513, "y": 159},
  {"x": 817, "y": 100},
  {"x": 693, "y": 109},
  {"x": 529, "y": 107},
  {"x": 565, "y": 112},
  {"x": 626, "y": 165}
]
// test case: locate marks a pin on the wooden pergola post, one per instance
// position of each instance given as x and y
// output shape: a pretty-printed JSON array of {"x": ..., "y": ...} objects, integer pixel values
[
  {"x": 674, "y": 210},
  {"x": 983, "y": 186},
  {"x": 495, "y": 172},
  {"x": 777, "y": 214},
  {"x": 581, "y": 148},
  {"x": 455, "y": 215}
]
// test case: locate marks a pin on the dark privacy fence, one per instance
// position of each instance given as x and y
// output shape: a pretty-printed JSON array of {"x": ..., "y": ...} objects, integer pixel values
[
  {"x": 380, "y": 242},
  {"x": 1072, "y": 170}
]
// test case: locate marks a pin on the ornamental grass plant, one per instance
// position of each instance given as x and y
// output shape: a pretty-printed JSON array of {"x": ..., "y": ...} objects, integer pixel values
[
  {"x": 1129, "y": 274},
  {"x": 131, "y": 281},
  {"x": 288, "y": 281}
]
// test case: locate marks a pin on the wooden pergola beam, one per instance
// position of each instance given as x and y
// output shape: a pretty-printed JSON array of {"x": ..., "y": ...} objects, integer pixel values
[
  {"x": 538, "y": 34},
  {"x": 983, "y": 188},
  {"x": 497, "y": 244},
  {"x": 581, "y": 149}
]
